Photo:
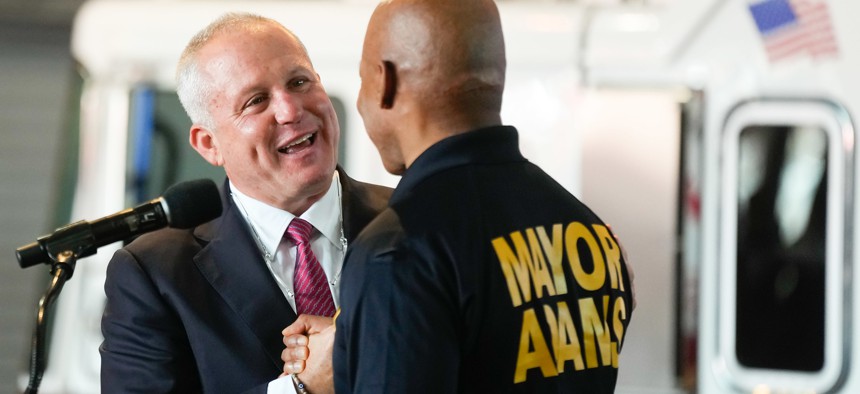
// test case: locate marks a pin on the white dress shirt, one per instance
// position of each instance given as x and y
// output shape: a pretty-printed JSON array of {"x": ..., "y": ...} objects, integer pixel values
[{"x": 268, "y": 225}]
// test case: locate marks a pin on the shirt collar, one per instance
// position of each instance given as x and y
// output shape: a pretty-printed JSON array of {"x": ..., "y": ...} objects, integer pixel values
[
  {"x": 489, "y": 145},
  {"x": 271, "y": 223},
  {"x": 325, "y": 214}
]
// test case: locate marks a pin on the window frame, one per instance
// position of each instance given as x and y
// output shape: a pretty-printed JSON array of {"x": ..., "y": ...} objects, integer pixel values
[{"x": 834, "y": 120}]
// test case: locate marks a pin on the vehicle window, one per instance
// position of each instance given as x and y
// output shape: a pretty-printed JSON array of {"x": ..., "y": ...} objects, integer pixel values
[{"x": 782, "y": 201}]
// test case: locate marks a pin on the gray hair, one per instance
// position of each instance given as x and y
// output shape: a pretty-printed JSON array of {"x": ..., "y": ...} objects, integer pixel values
[{"x": 193, "y": 91}]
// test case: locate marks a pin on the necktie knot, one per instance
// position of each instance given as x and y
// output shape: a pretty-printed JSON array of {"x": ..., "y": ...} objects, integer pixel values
[{"x": 299, "y": 231}]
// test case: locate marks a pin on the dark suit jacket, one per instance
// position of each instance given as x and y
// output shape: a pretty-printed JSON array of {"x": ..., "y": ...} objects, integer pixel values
[
  {"x": 198, "y": 310},
  {"x": 467, "y": 283}
]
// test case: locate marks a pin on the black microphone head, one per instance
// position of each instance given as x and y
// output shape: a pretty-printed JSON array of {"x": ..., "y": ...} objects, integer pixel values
[
  {"x": 30, "y": 254},
  {"x": 192, "y": 203}
]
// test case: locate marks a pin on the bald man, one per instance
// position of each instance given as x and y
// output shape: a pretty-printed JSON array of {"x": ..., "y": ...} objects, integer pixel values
[{"x": 484, "y": 275}]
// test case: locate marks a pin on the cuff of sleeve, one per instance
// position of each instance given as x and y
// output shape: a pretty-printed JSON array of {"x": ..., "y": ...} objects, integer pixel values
[{"x": 282, "y": 385}]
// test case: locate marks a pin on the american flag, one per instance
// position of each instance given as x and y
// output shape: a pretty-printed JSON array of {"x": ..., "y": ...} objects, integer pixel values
[{"x": 795, "y": 28}]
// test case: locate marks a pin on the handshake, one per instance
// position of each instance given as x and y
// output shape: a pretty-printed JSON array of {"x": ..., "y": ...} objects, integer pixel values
[{"x": 307, "y": 354}]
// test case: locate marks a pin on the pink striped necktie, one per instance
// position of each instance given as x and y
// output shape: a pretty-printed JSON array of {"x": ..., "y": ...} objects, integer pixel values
[{"x": 313, "y": 296}]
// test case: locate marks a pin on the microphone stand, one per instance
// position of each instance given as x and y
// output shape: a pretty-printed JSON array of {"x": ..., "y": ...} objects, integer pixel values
[{"x": 62, "y": 268}]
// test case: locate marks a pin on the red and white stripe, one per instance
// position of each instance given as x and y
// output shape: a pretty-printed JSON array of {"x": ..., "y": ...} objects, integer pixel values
[
  {"x": 313, "y": 296},
  {"x": 812, "y": 34}
]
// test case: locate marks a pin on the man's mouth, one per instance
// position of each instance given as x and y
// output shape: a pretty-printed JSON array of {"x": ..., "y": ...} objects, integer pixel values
[{"x": 299, "y": 144}]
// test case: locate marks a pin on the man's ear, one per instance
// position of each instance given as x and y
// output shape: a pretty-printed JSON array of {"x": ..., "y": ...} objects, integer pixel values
[
  {"x": 205, "y": 143},
  {"x": 389, "y": 84}
]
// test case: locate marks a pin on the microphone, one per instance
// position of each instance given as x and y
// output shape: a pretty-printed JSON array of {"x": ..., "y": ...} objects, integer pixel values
[{"x": 184, "y": 205}]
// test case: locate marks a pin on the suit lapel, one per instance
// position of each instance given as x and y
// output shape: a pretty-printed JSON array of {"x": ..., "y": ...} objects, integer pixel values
[{"x": 233, "y": 265}]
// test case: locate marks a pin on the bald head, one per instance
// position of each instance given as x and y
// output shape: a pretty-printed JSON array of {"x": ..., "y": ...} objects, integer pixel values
[
  {"x": 429, "y": 69},
  {"x": 451, "y": 51}
]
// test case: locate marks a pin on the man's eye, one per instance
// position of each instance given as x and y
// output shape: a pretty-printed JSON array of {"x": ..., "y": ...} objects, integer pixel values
[
  {"x": 254, "y": 101},
  {"x": 298, "y": 82}
]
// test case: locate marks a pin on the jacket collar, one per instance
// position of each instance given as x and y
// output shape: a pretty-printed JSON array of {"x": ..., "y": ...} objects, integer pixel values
[{"x": 487, "y": 145}]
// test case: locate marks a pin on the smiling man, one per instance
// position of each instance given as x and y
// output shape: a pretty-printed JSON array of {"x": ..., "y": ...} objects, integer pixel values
[{"x": 202, "y": 310}]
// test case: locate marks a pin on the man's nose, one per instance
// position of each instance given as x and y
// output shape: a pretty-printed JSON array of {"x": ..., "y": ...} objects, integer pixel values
[{"x": 287, "y": 107}]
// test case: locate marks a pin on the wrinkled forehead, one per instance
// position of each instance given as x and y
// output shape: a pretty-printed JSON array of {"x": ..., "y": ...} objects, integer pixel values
[
  {"x": 255, "y": 48},
  {"x": 240, "y": 57},
  {"x": 269, "y": 36}
]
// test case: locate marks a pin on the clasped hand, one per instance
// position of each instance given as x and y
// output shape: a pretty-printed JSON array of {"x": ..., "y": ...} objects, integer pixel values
[{"x": 309, "y": 342}]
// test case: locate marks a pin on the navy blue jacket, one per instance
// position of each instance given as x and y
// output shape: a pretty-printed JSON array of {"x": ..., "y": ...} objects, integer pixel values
[{"x": 484, "y": 275}]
